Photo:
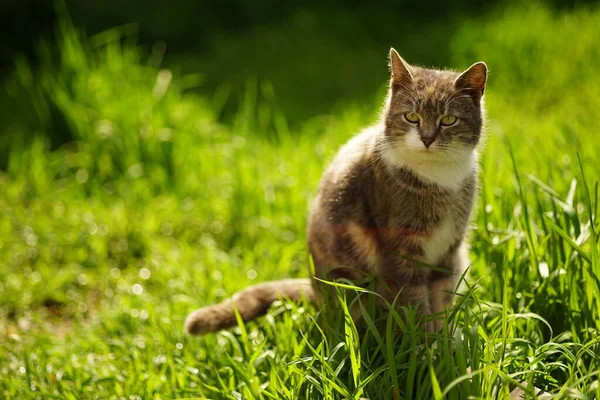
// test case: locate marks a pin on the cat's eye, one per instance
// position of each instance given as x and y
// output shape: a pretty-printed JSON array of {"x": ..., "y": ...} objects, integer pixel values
[
  {"x": 412, "y": 117},
  {"x": 448, "y": 120}
]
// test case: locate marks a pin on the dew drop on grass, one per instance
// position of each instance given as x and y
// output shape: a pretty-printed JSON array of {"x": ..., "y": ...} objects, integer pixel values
[
  {"x": 137, "y": 289},
  {"x": 82, "y": 279},
  {"x": 24, "y": 323},
  {"x": 179, "y": 346},
  {"x": 32, "y": 253},
  {"x": 217, "y": 275},
  {"x": 92, "y": 228},
  {"x": 144, "y": 273},
  {"x": 144, "y": 314},
  {"x": 122, "y": 285},
  {"x": 82, "y": 307},
  {"x": 31, "y": 238},
  {"x": 104, "y": 128},
  {"x": 35, "y": 277},
  {"x": 160, "y": 359},
  {"x": 22, "y": 370},
  {"x": 251, "y": 274},
  {"x": 134, "y": 313},
  {"x": 544, "y": 270},
  {"x": 81, "y": 176},
  {"x": 135, "y": 171},
  {"x": 488, "y": 208},
  {"x": 216, "y": 227},
  {"x": 115, "y": 273}
]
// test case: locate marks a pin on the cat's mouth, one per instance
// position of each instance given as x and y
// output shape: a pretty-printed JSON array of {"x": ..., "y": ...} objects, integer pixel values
[
  {"x": 433, "y": 154},
  {"x": 430, "y": 150}
]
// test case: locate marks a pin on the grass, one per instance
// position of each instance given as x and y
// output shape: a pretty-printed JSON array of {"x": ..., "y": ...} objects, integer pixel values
[{"x": 126, "y": 204}]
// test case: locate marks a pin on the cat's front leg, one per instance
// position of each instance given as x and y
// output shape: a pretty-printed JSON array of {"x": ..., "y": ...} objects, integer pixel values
[
  {"x": 411, "y": 294},
  {"x": 442, "y": 286},
  {"x": 440, "y": 297},
  {"x": 418, "y": 297}
]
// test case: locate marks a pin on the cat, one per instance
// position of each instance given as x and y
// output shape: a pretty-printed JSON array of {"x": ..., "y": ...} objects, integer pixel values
[{"x": 393, "y": 205}]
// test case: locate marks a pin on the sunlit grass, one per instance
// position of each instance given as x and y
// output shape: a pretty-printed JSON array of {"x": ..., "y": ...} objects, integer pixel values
[{"x": 147, "y": 207}]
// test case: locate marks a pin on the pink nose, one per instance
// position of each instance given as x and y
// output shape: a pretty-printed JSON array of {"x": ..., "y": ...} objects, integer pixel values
[{"x": 427, "y": 141}]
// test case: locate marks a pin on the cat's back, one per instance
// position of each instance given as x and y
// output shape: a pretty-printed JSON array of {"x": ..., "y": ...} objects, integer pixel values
[
  {"x": 354, "y": 156},
  {"x": 348, "y": 176}
]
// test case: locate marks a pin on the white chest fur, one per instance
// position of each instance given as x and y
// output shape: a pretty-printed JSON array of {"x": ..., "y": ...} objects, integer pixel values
[
  {"x": 437, "y": 244},
  {"x": 447, "y": 168}
]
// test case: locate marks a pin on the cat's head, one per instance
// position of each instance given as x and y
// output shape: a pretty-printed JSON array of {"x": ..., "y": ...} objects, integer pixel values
[
  {"x": 432, "y": 115},
  {"x": 433, "y": 121}
]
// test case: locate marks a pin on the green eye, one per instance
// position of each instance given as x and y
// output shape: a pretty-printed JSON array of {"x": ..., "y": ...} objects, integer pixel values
[
  {"x": 448, "y": 120},
  {"x": 412, "y": 117}
]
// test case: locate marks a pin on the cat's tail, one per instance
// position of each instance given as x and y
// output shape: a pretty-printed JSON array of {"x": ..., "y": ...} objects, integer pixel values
[{"x": 251, "y": 302}]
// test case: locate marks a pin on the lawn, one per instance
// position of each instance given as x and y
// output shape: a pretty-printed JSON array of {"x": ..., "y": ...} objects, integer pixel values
[{"x": 126, "y": 202}]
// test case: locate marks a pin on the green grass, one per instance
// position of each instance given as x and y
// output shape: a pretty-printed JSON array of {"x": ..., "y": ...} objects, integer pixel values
[{"x": 126, "y": 204}]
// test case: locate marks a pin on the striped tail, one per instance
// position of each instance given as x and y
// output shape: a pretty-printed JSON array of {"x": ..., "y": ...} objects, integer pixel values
[{"x": 251, "y": 303}]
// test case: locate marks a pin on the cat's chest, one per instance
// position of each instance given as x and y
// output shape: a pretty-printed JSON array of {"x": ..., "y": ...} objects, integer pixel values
[
  {"x": 433, "y": 228},
  {"x": 438, "y": 240},
  {"x": 424, "y": 223}
]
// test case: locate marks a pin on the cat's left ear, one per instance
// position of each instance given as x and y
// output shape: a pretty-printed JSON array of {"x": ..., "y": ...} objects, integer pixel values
[{"x": 473, "y": 79}]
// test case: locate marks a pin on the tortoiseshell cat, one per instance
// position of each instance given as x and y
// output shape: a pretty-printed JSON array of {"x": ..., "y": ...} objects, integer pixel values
[{"x": 396, "y": 198}]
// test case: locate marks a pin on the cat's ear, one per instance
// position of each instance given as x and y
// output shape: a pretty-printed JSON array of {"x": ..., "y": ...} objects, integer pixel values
[
  {"x": 401, "y": 75},
  {"x": 473, "y": 79}
]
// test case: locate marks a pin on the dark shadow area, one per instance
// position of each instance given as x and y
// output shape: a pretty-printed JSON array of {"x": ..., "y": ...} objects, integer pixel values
[{"x": 316, "y": 54}]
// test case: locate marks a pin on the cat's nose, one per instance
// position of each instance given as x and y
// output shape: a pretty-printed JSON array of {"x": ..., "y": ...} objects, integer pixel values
[{"x": 427, "y": 141}]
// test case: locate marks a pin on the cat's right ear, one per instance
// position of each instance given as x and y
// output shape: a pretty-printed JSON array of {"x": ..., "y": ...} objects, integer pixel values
[
  {"x": 473, "y": 80},
  {"x": 401, "y": 76}
]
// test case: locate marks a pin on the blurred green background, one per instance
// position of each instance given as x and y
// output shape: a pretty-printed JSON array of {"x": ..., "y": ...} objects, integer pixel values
[
  {"x": 156, "y": 156},
  {"x": 332, "y": 45}
]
